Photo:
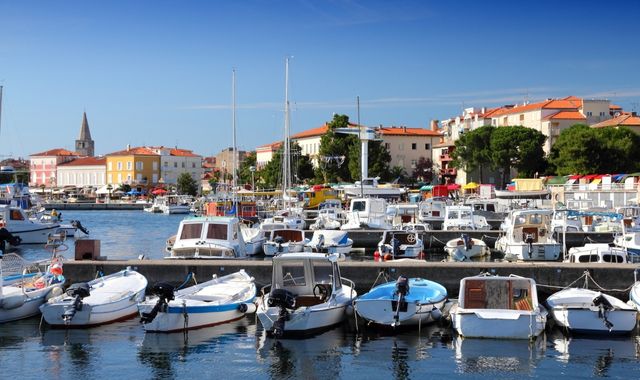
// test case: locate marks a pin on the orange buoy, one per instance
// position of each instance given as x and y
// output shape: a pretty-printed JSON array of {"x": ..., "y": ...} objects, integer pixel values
[{"x": 388, "y": 257}]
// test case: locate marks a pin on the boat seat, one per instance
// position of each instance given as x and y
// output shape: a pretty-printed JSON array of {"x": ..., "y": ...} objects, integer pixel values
[{"x": 306, "y": 301}]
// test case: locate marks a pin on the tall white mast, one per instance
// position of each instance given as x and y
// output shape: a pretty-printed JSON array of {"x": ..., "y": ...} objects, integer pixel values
[
  {"x": 286, "y": 165},
  {"x": 235, "y": 148},
  {"x": 0, "y": 109}
]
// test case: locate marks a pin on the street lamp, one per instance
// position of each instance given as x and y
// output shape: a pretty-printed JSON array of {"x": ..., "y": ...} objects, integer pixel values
[{"x": 252, "y": 169}]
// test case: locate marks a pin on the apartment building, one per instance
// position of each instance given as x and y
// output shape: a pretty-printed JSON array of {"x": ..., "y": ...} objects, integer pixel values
[
  {"x": 43, "y": 166},
  {"x": 81, "y": 172}
]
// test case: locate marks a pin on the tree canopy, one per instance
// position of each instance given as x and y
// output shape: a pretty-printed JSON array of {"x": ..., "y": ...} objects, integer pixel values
[
  {"x": 301, "y": 167},
  {"x": 520, "y": 148},
  {"x": 473, "y": 150},
  {"x": 186, "y": 184},
  {"x": 581, "y": 149},
  {"x": 334, "y": 152}
]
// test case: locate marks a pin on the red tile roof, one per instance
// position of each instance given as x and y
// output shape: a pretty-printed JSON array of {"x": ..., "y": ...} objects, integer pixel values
[
  {"x": 182, "y": 153},
  {"x": 56, "y": 152},
  {"x": 86, "y": 161},
  {"x": 273, "y": 146},
  {"x": 139, "y": 151},
  {"x": 614, "y": 107},
  {"x": 624, "y": 120},
  {"x": 566, "y": 115},
  {"x": 315, "y": 131},
  {"x": 570, "y": 102},
  {"x": 403, "y": 131}
]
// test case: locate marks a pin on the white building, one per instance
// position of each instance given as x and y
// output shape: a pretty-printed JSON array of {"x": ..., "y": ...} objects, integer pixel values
[
  {"x": 175, "y": 161},
  {"x": 87, "y": 171}
]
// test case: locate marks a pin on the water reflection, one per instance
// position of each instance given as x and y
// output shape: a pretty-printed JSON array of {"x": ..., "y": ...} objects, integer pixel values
[
  {"x": 161, "y": 352},
  {"x": 498, "y": 355},
  {"x": 598, "y": 352},
  {"x": 317, "y": 356},
  {"x": 14, "y": 334}
]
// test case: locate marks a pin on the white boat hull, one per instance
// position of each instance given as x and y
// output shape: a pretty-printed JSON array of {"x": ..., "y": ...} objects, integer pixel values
[
  {"x": 304, "y": 320},
  {"x": 587, "y": 321},
  {"x": 499, "y": 324},
  {"x": 271, "y": 248},
  {"x": 382, "y": 312},
  {"x": 478, "y": 249},
  {"x": 174, "y": 320},
  {"x": 112, "y": 298},
  {"x": 37, "y": 235},
  {"x": 28, "y": 304},
  {"x": 537, "y": 251}
]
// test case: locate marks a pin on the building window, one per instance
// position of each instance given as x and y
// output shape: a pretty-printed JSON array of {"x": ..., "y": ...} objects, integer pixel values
[
  {"x": 522, "y": 117},
  {"x": 119, "y": 165},
  {"x": 139, "y": 177},
  {"x": 155, "y": 178},
  {"x": 589, "y": 113},
  {"x": 427, "y": 146},
  {"x": 139, "y": 165},
  {"x": 401, "y": 147},
  {"x": 175, "y": 164},
  {"x": 414, "y": 163},
  {"x": 601, "y": 114},
  {"x": 110, "y": 166},
  {"x": 166, "y": 164},
  {"x": 155, "y": 165},
  {"x": 414, "y": 146},
  {"x": 183, "y": 165},
  {"x": 110, "y": 177},
  {"x": 119, "y": 177},
  {"x": 128, "y": 165},
  {"x": 193, "y": 165}
]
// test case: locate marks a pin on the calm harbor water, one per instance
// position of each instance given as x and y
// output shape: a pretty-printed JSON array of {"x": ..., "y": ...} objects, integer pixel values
[{"x": 240, "y": 349}]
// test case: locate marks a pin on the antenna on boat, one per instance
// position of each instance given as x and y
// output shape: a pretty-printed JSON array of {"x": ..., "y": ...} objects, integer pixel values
[
  {"x": 286, "y": 165},
  {"x": 235, "y": 150}
]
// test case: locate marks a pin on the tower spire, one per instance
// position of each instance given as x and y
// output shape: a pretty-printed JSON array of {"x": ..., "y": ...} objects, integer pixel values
[{"x": 84, "y": 143}]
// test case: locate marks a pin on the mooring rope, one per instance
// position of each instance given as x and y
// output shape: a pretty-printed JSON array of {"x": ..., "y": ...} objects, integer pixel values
[{"x": 586, "y": 276}]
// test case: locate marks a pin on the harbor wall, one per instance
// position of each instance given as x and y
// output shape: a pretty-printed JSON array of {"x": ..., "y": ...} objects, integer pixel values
[{"x": 550, "y": 276}]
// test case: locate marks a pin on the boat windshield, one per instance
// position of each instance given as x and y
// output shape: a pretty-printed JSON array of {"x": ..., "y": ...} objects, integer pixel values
[
  {"x": 217, "y": 231},
  {"x": 322, "y": 272},
  {"x": 293, "y": 274},
  {"x": 359, "y": 206},
  {"x": 191, "y": 231}
]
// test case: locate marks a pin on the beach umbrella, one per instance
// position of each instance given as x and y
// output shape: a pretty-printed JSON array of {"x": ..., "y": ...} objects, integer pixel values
[{"x": 159, "y": 192}]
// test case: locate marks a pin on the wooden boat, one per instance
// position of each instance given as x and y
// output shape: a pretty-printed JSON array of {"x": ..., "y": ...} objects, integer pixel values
[
  {"x": 589, "y": 312},
  {"x": 306, "y": 295},
  {"x": 498, "y": 307},
  {"x": 219, "y": 300},
  {"x": 407, "y": 301},
  {"x": 104, "y": 300}
]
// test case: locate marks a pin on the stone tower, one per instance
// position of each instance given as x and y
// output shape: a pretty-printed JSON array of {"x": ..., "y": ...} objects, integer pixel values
[{"x": 84, "y": 144}]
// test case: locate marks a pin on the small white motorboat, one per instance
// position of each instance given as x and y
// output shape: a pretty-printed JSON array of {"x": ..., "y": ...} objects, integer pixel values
[
  {"x": 498, "y": 307},
  {"x": 407, "y": 301},
  {"x": 596, "y": 253},
  {"x": 462, "y": 218},
  {"x": 104, "y": 300},
  {"x": 400, "y": 244},
  {"x": 528, "y": 236},
  {"x": 329, "y": 241},
  {"x": 367, "y": 213},
  {"x": 18, "y": 224},
  {"x": 466, "y": 247},
  {"x": 306, "y": 295},
  {"x": 219, "y": 300},
  {"x": 589, "y": 312},
  {"x": 22, "y": 294},
  {"x": 284, "y": 241}
]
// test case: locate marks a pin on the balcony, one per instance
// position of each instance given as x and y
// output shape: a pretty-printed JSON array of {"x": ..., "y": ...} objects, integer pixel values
[
  {"x": 452, "y": 172},
  {"x": 445, "y": 157}
]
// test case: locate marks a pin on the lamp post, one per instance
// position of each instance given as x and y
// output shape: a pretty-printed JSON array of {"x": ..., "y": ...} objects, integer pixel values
[{"x": 252, "y": 169}]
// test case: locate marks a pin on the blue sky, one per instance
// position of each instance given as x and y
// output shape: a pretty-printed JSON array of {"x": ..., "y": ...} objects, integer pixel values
[{"x": 159, "y": 72}]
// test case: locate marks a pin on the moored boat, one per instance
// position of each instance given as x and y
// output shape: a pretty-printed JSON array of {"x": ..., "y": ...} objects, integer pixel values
[
  {"x": 466, "y": 247},
  {"x": 400, "y": 244},
  {"x": 104, "y": 300},
  {"x": 329, "y": 241},
  {"x": 219, "y": 300},
  {"x": 407, "y": 301}
]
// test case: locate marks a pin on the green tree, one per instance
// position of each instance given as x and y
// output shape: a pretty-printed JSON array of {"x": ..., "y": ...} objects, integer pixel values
[
  {"x": 244, "y": 171},
  {"x": 473, "y": 150},
  {"x": 334, "y": 151},
  {"x": 301, "y": 167},
  {"x": 424, "y": 170},
  {"x": 378, "y": 162},
  {"x": 520, "y": 148},
  {"x": 398, "y": 174},
  {"x": 186, "y": 184}
]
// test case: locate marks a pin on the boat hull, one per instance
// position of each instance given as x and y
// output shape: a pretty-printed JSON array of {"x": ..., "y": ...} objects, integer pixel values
[
  {"x": 39, "y": 235},
  {"x": 197, "y": 317},
  {"x": 382, "y": 312},
  {"x": 303, "y": 321},
  {"x": 29, "y": 307},
  {"x": 498, "y": 324},
  {"x": 587, "y": 321},
  {"x": 537, "y": 252}
]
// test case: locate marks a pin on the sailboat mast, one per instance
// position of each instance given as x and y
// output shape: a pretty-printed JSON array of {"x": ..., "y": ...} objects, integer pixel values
[
  {"x": 0, "y": 110},
  {"x": 235, "y": 148},
  {"x": 286, "y": 165}
]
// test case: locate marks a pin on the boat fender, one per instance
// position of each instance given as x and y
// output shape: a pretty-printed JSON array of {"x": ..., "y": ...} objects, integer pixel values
[
  {"x": 54, "y": 292},
  {"x": 436, "y": 314},
  {"x": 388, "y": 257},
  {"x": 13, "y": 302},
  {"x": 247, "y": 308}
]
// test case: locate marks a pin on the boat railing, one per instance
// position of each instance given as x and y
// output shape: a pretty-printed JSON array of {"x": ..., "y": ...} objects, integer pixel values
[{"x": 351, "y": 284}]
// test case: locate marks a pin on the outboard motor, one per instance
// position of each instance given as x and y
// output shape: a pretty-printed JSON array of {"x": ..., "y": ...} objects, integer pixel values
[
  {"x": 165, "y": 293},
  {"x": 78, "y": 291},
  {"x": 279, "y": 240},
  {"x": 529, "y": 240},
  {"x": 395, "y": 246},
  {"x": 285, "y": 300},
  {"x": 78, "y": 225},
  {"x": 604, "y": 307},
  {"x": 402, "y": 289},
  {"x": 468, "y": 243},
  {"x": 320, "y": 244}
]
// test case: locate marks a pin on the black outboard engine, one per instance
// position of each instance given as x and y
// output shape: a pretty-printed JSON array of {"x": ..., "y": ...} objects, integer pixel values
[
  {"x": 285, "y": 300},
  {"x": 395, "y": 246},
  {"x": 78, "y": 225},
  {"x": 6, "y": 236},
  {"x": 529, "y": 240},
  {"x": 165, "y": 293},
  {"x": 78, "y": 291},
  {"x": 604, "y": 307},
  {"x": 279, "y": 240},
  {"x": 468, "y": 243},
  {"x": 402, "y": 289}
]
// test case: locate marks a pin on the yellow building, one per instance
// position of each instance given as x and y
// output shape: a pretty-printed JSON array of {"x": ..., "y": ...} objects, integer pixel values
[{"x": 133, "y": 166}]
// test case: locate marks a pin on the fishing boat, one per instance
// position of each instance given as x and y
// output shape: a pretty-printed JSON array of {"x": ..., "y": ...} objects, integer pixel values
[
  {"x": 498, "y": 307},
  {"x": 466, "y": 247},
  {"x": 284, "y": 241},
  {"x": 407, "y": 301},
  {"x": 306, "y": 295},
  {"x": 589, "y": 312},
  {"x": 15, "y": 220},
  {"x": 213, "y": 237},
  {"x": 528, "y": 236},
  {"x": 463, "y": 218},
  {"x": 400, "y": 244},
  {"x": 104, "y": 300},
  {"x": 367, "y": 213},
  {"x": 219, "y": 300},
  {"x": 329, "y": 241},
  {"x": 21, "y": 294}
]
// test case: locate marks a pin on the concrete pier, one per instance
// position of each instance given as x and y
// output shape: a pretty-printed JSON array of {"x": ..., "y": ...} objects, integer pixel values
[{"x": 548, "y": 275}]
